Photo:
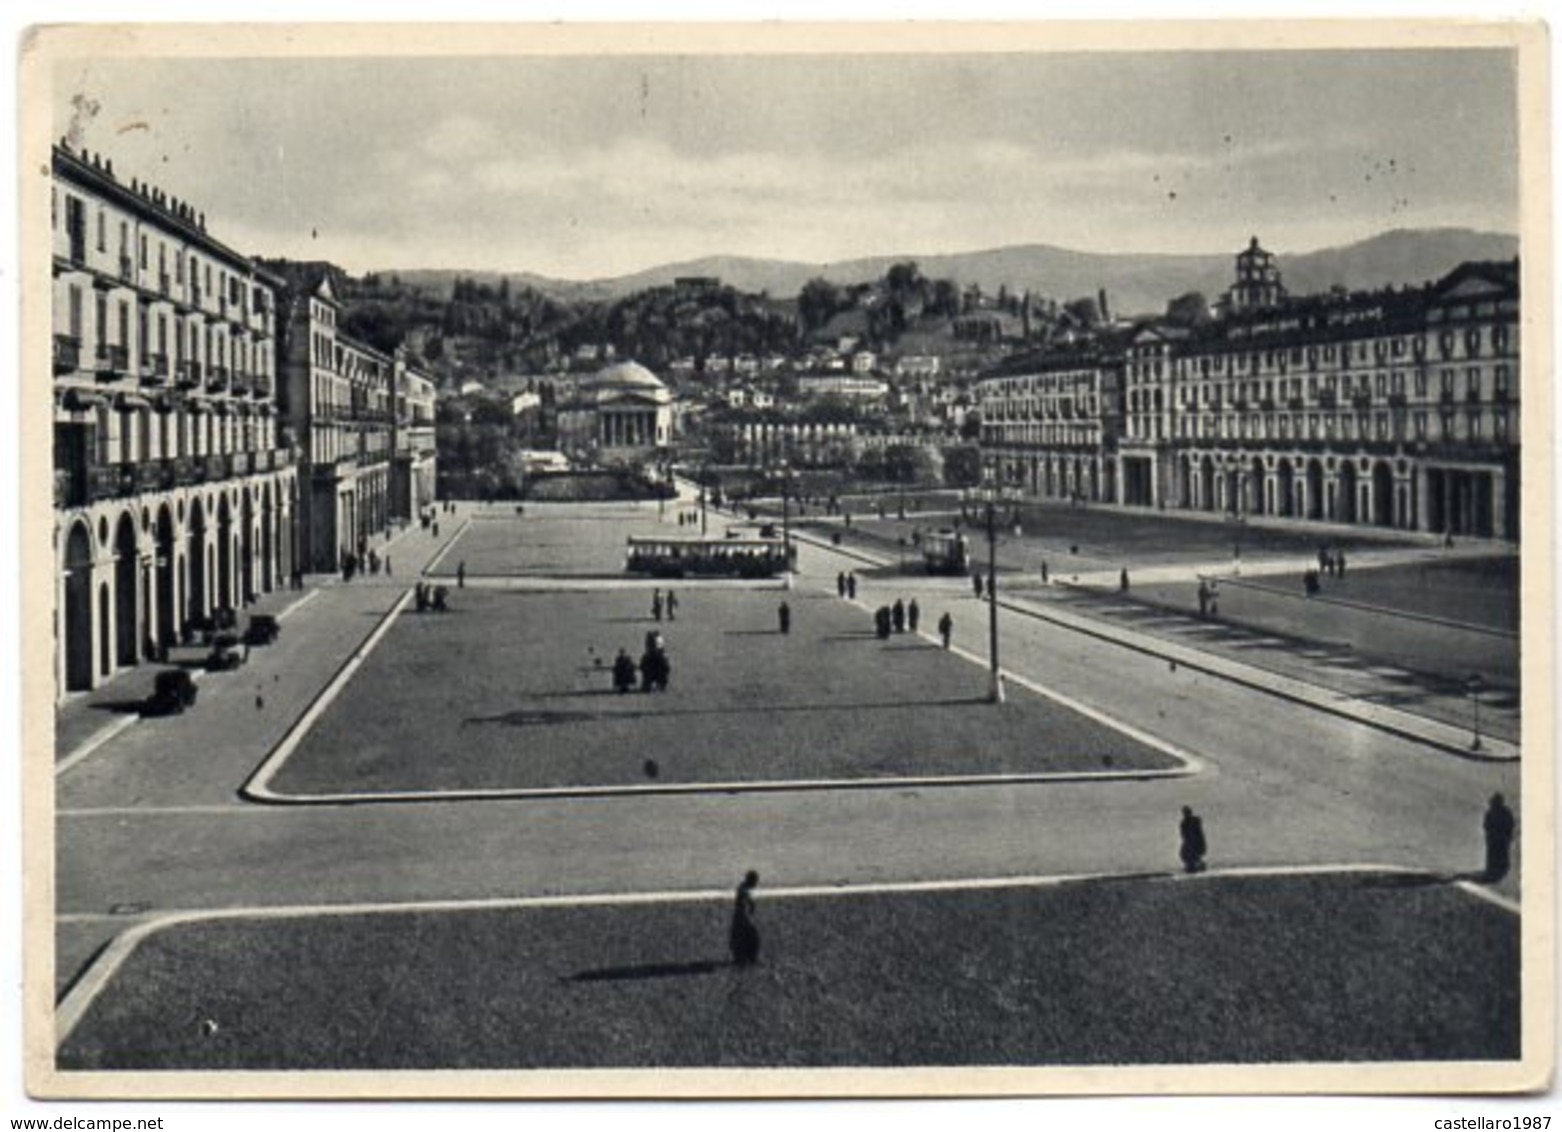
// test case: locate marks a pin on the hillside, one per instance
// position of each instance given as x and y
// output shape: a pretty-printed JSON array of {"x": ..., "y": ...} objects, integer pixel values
[{"x": 1134, "y": 282}]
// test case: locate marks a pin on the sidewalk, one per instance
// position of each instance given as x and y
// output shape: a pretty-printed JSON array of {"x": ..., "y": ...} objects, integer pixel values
[
  {"x": 88, "y": 719},
  {"x": 1367, "y": 700}
]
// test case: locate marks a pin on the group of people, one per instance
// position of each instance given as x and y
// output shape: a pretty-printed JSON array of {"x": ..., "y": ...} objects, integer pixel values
[
  {"x": 655, "y": 668},
  {"x": 664, "y": 604},
  {"x": 1330, "y": 562},
  {"x": 897, "y": 618},
  {"x": 364, "y": 561},
  {"x": 1209, "y": 598},
  {"x": 428, "y": 596},
  {"x": 846, "y": 585}
]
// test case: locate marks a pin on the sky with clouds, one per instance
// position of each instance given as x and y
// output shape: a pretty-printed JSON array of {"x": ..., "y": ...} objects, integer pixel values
[{"x": 588, "y": 166}]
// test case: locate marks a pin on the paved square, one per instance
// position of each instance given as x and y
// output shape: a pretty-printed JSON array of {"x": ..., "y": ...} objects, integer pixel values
[
  {"x": 512, "y": 690},
  {"x": 1344, "y": 967}
]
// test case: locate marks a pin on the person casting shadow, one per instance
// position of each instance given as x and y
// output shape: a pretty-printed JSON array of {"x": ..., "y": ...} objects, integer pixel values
[
  {"x": 744, "y": 939},
  {"x": 1193, "y": 844}
]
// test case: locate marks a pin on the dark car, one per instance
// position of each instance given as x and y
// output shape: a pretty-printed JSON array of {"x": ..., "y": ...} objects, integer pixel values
[
  {"x": 263, "y": 629},
  {"x": 173, "y": 691},
  {"x": 226, "y": 653}
]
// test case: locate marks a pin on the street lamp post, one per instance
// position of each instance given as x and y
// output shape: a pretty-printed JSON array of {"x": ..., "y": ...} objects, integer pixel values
[
  {"x": 786, "y": 521},
  {"x": 705, "y": 492},
  {"x": 1475, "y": 684},
  {"x": 995, "y": 687}
]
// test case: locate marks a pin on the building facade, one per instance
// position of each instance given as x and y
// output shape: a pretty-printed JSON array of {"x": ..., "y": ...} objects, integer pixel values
[
  {"x": 336, "y": 394},
  {"x": 1051, "y": 424},
  {"x": 415, "y": 467},
  {"x": 1395, "y": 409},
  {"x": 175, "y": 485}
]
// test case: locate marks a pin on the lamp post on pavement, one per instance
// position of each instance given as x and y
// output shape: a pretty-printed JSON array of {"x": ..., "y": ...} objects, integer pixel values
[
  {"x": 786, "y": 521},
  {"x": 704, "y": 495},
  {"x": 1475, "y": 684},
  {"x": 995, "y": 686}
]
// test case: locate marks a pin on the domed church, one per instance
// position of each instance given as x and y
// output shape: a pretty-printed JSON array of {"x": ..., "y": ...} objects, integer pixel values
[{"x": 621, "y": 414}]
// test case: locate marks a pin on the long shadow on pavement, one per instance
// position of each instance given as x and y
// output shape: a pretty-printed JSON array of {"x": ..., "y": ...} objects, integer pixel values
[
  {"x": 523, "y": 717},
  {"x": 648, "y": 971}
]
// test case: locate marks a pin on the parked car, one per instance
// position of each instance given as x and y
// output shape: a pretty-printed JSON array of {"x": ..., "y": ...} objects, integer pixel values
[
  {"x": 226, "y": 653},
  {"x": 263, "y": 629},
  {"x": 172, "y": 692}
]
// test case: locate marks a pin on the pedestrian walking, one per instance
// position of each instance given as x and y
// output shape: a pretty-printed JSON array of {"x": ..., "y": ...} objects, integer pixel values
[
  {"x": 623, "y": 672},
  {"x": 1203, "y": 598},
  {"x": 897, "y": 615},
  {"x": 851, "y": 585},
  {"x": 976, "y": 586},
  {"x": 672, "y": 606},
  {"x": 461, "y": 575},
  {"x": 656, "y": 604},
  {"x": 1043, "y": 571},
  {"x": 387, "y": 566},
  {"x": 784, "y": 617},
  {"x": 436, "y": 528},
  {"x": 1498, "y": 827},
  {"x": 913, "y": 615},
  {"x": 1193, "y": 844},
  {"x": 1122, "y": 581},
  {"x": 1339, "y": 564},
  {"x": 840, "y": 584},
  {"x": 743, "y": 939},
  {"x": 946, "y": 628}
]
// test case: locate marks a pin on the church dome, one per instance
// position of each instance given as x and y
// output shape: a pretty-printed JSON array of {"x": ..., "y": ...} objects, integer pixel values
[{"x": 628, "y": 377}]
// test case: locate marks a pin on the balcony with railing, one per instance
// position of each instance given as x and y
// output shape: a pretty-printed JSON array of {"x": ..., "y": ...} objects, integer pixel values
[
  {"x": 67, "y": 353},
  {"x": 156, "y": 371},
  {"x": 213, "y": 466},
  {"x": 113, "y": 362}
]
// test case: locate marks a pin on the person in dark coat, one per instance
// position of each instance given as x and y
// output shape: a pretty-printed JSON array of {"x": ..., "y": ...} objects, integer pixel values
[
  {"x": 1498, "y": 825},
  {"x": 881, "y": 622},
  {"x": 784, "y": 618},
  {"x": 946, "y": 628},
  {"x": 656, "y": 604},
  {"x": 1193, "y": 844},
  {"x": 461, "y": 575},
  {"x": 976, "y": 586},
  {"x": 851, "y": 585},
  {"x": 913, "y": 615},
  {"x": 672, "y": 606},
  {"x": 624, "y": 672},
  {"x": 840, "y": 584},
  {"x": 1122, "y": 581},
  {"x": 897, "y": 615},
  {"x": 744, "y": 936}
]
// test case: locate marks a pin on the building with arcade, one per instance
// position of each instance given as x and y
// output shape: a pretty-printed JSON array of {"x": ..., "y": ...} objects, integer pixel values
[{"x": 175, "y": 485}]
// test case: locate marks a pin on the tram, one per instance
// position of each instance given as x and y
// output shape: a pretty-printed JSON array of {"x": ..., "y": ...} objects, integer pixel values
[
  {"x": 946, "y": 552},
  {"x": 694, "y": 556}
]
